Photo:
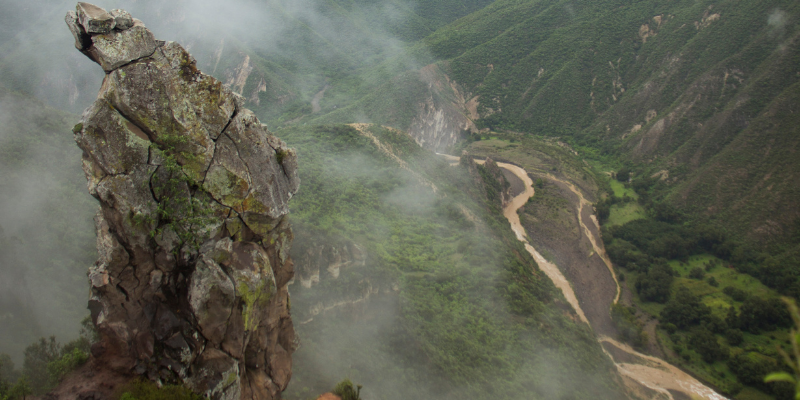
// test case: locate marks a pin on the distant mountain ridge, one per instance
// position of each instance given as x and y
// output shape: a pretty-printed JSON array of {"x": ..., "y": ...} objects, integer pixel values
[{"x": 702, "y": 95}]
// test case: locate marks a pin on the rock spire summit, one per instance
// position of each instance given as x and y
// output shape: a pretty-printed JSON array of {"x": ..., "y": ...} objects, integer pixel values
[{"x": 191, "y": 281}]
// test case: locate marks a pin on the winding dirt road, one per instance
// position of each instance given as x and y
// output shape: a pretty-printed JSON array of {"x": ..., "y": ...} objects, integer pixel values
[
  {"x": 651, "y": 372},
  {"x": 549, "y": 268}
]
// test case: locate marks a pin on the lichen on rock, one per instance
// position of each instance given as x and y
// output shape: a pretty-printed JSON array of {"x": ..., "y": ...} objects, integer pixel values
[{"x": 191, "y": 281}]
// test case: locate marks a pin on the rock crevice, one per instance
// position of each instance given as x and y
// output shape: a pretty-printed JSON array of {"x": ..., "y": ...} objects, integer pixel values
[{"x": 192, "y": 234}]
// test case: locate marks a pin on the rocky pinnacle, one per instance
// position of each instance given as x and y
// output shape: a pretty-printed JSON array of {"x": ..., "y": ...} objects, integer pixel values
[{"x": 192, "y": 234}]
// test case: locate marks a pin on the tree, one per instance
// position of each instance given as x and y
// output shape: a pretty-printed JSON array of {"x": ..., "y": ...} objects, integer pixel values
[
  {"x": 735, "y": 293},
  {"x": 757, "y": 314},
  {"x": 21, "y": 389},
  {"x": 697, "y": 273},
  {"x": 734, "y": 337},
  {"x": 655, "y": 284},
  {"x": 37, "y": 356},
  {"x": 7, "y": 372},
  {"x": 705, "y": 343},
  {"x": 685, "y": 309},
  {"x": 4, "y": 386},
  {"x": 624, "y": 174},
  {"x": 346, "y": 391}
]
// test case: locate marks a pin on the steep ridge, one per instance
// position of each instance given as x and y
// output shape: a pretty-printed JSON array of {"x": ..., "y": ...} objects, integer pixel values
[
  {"x": 688, "y": 90},
  {"x": 190, "y": 283},
  {"x": 447, "y": 303}
]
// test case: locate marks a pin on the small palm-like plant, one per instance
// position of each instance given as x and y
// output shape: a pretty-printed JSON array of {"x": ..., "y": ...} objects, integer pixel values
[{"x": 792, "y": 360}]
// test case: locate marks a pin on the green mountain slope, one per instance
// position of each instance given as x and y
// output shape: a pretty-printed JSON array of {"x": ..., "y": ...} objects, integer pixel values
[
  {"x": 445, "y": 303},
  {"x": 681, "y": 88}
]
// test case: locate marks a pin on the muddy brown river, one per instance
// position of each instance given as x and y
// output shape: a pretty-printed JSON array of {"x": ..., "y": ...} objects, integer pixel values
[{"x": 648, "y": 371}]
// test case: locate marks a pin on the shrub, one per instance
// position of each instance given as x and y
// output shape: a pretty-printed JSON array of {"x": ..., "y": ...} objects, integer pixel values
[
  {"x": 655, "y": 284},
  {"x": 65, "y": 364},
  {"x": 624, "y": 174},
  {"x": 735, "y": 337},
  {"x": 757, "y": 314},
  {"x": 685, "y": 310},
  {"x": 629, "y": 328},
  {"x": 705, "y": 343},
  {"x": 346, "y": 391},
  {"x": 735, "y": 293},
  {"x": 697, "y": 273}
]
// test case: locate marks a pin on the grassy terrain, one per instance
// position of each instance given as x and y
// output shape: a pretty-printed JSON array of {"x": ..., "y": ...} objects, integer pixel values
[
  {"x": 720, "y": 287},
  {"x": 620, "y": 190},
  {"x": 536, "y": 153},
  {"x": 626, "y": 212},
  {"x": 679, "y": 353}
]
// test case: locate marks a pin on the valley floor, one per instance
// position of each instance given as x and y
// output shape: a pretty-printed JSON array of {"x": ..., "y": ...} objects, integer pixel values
[{"x": 558, "y": 221}]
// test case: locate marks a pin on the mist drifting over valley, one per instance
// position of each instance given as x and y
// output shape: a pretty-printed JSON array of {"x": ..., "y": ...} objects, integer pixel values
[
  {"x": 661, "y": 138},
  {"x": 47, "y": 214}
]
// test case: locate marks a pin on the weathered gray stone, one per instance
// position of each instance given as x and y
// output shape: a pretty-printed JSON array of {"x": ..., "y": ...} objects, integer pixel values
[
  {"x": 94, "y": 19},
  {"x": 122, "y": 19},
  {"x": 106, "y": 127},
  {"x": 212, "y": 297},
  {"x": 273, "y": 187},
  {"x": 117, "y": 48},
  {"x": 82, "y": 39},
  {"x": 167, "y": 96},
  {"x": 94, "y": 33},
  {"x": 190, "y": 283}
]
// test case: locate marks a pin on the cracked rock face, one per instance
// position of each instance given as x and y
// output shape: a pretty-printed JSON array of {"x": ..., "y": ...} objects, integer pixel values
[{"x": 192, "y": 234}]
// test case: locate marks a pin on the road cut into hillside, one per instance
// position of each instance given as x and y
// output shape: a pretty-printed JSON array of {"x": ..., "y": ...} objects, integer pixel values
[
  {"x": 549, "y": 268},
  {"x": 653, "y": 373}
]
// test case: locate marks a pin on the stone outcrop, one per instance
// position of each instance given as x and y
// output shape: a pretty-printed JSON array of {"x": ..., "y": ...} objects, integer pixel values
[
  {"x": 329, "y": 258},
  {"x": 502, "y": 192},
  {"x": 191, "y": 281},
  {"x": 444, "y": 117}
]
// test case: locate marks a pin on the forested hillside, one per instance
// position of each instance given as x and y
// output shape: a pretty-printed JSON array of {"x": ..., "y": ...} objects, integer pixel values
[
  {"x": 444, "y": 302},
  {"x": 686, "y": 111},
  {"x": 702, "y": 93}
]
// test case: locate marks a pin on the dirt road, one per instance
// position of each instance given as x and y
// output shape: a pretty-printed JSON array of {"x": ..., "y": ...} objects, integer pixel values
[{"x": 654, "y": 373}]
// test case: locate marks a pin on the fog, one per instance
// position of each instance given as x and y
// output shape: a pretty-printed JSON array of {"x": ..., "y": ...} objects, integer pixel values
[
  {"x": 45, "y": 212},
  {"x": 297, "y": 47},
  {"x": 298, "y": 43}
]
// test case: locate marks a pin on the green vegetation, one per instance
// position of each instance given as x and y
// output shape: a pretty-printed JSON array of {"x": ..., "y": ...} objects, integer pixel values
[
  {"x": 346, "y": 391},
  {"x": 184, "y": 207},
  {"x": 692, "y": 98},
  {"x": 630, "y": 329},
  {"x": 791, "y": 359},
  {"x": 45, "y": 365},
  {"x": 693, "y": 103},
  {"x": 715, "y": 320},
  {"x": 456, "y": 307},
  {"x": 254, "y": 301}
]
